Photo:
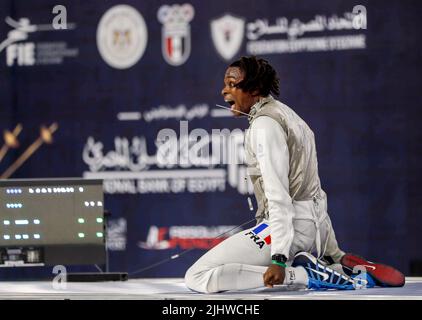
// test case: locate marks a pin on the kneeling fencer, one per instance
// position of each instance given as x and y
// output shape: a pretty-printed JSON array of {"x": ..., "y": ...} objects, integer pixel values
[{"x": 292, "y": 218}]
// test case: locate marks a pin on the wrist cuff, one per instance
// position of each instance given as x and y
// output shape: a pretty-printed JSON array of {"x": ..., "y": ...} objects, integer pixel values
[{"x": 281, "y": 264}]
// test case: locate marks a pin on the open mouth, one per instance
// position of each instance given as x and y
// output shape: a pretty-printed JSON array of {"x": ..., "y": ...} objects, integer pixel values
[{"x": 231, "y": 103}]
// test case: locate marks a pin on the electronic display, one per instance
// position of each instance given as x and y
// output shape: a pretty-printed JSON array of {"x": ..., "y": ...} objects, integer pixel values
[{"x": 54, "y": 212}]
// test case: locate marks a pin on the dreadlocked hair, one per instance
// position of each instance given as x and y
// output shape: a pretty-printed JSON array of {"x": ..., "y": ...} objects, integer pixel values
[{"x": 259, "y": 76}]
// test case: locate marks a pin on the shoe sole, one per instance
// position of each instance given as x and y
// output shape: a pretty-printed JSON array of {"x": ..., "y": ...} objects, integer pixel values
[{"x": 384, "y": 275}]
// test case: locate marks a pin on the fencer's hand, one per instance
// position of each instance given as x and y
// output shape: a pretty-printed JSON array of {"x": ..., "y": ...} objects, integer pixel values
[{"x": 274, "y": 275}]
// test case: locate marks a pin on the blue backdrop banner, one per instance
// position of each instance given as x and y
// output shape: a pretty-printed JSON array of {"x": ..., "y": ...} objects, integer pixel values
[{"x": 117, "y": 76}]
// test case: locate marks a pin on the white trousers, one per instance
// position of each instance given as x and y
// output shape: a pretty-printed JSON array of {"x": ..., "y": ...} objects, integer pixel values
[{"x": 239, "y": 262}]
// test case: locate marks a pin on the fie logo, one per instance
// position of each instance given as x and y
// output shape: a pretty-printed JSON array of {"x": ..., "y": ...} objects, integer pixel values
[{"x": 18, "y": 49}]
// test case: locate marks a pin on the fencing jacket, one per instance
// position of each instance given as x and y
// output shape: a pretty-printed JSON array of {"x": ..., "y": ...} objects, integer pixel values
[{"x": 282, "y": 165}]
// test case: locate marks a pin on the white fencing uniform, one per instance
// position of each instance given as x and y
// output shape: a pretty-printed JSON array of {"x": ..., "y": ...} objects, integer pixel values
[{"x": 292, "y": 207}]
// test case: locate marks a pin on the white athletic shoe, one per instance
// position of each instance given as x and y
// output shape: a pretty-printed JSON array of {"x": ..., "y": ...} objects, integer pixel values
[{"x": 322, "y": 277}]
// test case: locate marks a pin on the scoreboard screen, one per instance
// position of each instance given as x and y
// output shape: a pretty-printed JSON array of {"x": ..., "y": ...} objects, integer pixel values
[{"x": 51, "y": 213}]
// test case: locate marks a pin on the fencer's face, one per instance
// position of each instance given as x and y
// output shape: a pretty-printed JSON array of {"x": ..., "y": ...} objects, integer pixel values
[{"x": 237, "y": 98}]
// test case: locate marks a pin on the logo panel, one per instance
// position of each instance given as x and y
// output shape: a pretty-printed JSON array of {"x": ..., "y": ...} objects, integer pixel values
[
  {"x": 227, "y": 34},
  {"x": 176, "y": 35},
  {"x": 22, "y": 49},
  {"x": 122, "y": 36}
]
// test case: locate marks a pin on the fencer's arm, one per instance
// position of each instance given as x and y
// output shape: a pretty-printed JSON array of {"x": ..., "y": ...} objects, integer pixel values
[{"x": 268, "y": 140}]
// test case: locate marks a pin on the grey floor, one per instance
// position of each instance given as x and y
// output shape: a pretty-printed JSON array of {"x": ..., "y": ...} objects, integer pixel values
[{"x": 163, "y": 288}]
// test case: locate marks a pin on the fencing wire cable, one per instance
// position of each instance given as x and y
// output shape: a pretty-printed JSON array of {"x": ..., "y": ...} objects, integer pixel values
[
  {"x": 233, "y": 110},
  {"x": 178, "y": 255}
]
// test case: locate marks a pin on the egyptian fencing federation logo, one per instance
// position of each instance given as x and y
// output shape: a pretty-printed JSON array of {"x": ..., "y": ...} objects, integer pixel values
[
  {"x": 122, "y": 36},
  {"x": 227, "y": 34},
  {"x": 176, "y": 40}
]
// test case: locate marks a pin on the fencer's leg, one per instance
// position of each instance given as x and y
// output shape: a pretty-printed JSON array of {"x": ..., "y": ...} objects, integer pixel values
[
  {"x": 237, "y": 263},
  {"x": 230, "y": 276}
]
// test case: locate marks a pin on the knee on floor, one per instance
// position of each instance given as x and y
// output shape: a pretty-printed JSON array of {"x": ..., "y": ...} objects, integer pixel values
[{"x": 197, "y": 280}]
